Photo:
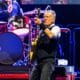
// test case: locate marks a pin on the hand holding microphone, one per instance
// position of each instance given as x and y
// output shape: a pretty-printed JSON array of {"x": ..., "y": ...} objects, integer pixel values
[{"x": 38, "y": 21}]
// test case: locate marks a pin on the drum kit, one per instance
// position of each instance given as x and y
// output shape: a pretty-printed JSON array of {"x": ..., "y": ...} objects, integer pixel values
[
  {"x": 15, "y": 42},
  {"x": 11, "y": 45}
]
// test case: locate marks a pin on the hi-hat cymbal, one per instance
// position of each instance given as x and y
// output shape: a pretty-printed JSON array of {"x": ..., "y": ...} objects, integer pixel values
[{"x": 3, "y": 22}]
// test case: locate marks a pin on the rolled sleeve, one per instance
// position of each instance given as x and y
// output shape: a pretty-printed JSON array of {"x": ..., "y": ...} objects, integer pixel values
[{"x": 56, "y": 31}]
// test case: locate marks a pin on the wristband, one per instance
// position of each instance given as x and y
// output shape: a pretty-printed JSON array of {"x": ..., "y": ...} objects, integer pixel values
[{"x": 42, "y": 26}]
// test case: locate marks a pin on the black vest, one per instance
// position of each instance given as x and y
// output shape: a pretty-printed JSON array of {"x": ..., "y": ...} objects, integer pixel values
[{"x": 46, "y": 47}]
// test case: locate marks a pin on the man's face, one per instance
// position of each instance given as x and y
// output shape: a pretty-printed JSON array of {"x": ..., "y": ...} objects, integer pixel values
[{"x": 49, "y": 18}]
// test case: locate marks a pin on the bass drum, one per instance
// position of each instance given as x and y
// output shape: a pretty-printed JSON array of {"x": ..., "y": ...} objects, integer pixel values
[{"x": 11, "y": 48}]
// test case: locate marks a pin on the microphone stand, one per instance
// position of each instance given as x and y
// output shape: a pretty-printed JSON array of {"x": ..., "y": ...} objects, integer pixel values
[{"x": 29, "y": 48}]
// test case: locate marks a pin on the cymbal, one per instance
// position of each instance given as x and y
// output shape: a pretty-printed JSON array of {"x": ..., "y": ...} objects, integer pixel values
[
  {"x": 33, "y": 12},
  {"x": 3, "y": 22}
]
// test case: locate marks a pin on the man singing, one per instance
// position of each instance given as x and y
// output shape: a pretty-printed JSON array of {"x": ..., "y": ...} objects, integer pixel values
[{"x": 46, "y": 47}]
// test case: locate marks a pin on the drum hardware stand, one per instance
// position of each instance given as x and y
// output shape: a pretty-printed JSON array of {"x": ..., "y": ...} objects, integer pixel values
[
  {"x": 27, "y": 61},
  {"x": 32, "y": 37}
]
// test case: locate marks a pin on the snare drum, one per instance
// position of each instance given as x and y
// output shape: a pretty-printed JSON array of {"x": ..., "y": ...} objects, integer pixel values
[{"x": 21, "y": 32}]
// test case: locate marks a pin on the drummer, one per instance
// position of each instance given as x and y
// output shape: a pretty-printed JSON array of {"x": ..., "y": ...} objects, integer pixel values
[{"x": 14, "y": 11}]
